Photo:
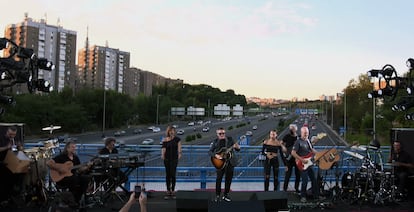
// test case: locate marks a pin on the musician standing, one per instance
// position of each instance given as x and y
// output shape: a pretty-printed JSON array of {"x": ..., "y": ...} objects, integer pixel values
[
  {"x": 402, "y": 163},
  {"x": 289, "y": 140},
  {"x": 302, "y": 148},
  {"x": 220, "y": 144},
  {"x": 271, "y": 149},
  {"x": 77, "y": 183},
  {"x": 170, "y": 153}
]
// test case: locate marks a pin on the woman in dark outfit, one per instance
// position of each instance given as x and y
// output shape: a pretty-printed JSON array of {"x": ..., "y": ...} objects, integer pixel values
[
  {"x": 272, "y": 148},
  {"x": 171, "y": 153}
]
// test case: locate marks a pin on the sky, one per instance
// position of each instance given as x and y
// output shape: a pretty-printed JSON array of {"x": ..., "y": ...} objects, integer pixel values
[{"x": 258, "y": 48}]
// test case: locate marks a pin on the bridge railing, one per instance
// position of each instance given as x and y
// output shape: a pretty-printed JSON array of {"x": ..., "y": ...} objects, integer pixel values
[{"x": 195, "y": 167}]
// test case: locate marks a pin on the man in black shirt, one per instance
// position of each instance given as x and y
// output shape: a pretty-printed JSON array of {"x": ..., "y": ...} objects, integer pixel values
[
  {"x": 289, "y": 140},
  {"x": 402, "y": 164},
  {"x": 223, "y": 144},
  {"x": 64, "y": 173}
]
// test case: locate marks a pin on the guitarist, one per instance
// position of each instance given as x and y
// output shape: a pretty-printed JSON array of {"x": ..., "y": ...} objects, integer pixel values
[
  {"x": 217, "y": 147},
  {"x": 302, "y": 148},
  {"x": 76, "y": 183},
  {"x": 290, "y": 164}
]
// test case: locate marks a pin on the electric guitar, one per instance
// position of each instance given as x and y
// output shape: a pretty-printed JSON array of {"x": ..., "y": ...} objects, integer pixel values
[
  {"x": 65, "y": 170},
  {"x": 309, "y": 162},
  {"x": 226, "y": 154}
]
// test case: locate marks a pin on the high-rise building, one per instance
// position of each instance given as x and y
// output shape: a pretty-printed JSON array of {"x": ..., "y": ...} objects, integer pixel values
[
  {"x": 102, "y": 67},
  {"x": 48, "y": 41}
]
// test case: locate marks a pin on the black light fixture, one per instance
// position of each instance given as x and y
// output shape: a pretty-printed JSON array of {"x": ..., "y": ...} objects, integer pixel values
[
  {"x": 410, "y": 63},
  {"x": 6, "y": 99},
  {"x": 375, "y": 144},
  {"x": 44, "y": 85},
  {"x": 387, "y": 72},
  {"x": 403, "y": 105},
  {"x": 25, "y": 53},
  {"x": 373, "y": 94},
  {"x": 387, "y": 91},
  {"x": 374, "y": 73},
  {"x": 409, "y": 116},
  {"x": 3, "y": 43},
  {"x": 45, "y": 64}
]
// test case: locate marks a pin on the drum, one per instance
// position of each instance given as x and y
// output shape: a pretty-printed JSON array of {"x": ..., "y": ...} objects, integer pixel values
[
  {"x": 37, "y": 171},
  {"x": 348, "y": 180}
]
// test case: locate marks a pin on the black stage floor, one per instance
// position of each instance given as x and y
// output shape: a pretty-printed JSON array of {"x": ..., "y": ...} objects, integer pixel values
[{"x": 242, "y": 201}]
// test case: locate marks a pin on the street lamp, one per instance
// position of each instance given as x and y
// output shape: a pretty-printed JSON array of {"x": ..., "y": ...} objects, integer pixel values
[
  {"x": 345, "y": 115},
  {"x": 158, "y": 107},
  {"x": 103, "y": 115}
]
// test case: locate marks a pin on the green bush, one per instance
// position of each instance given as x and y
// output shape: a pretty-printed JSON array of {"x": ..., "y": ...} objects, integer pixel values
[
  {"x": 198, "y": 135},
  {"x": 230, "y": 128}
]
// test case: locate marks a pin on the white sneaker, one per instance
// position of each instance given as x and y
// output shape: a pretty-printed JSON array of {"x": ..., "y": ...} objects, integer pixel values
[{"x": 226, "y": 198}]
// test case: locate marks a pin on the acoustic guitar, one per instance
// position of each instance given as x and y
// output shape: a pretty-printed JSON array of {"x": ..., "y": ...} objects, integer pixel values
[
  {"x": 226, "y": 154},
  {"x": 67, "y": 168},
  {"x": 327, "y": 157}
]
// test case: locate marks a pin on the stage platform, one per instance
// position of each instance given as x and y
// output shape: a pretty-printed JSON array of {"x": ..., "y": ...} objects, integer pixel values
[{"x": 241, "y": 201}]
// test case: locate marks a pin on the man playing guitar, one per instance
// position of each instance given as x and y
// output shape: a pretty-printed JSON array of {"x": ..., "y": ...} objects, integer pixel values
[
  {"x": 63, "y": 173},
  {"x": 302, "y": 150}
]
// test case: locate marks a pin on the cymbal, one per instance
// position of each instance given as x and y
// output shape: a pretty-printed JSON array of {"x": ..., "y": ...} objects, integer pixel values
[
  {"x": 51, "y": 128},
  {"x": 390, "y": 164},
  {"x": 354, "y": 154}
]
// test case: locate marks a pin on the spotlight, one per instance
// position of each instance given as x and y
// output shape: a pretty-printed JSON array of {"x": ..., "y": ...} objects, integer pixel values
[
  {"x": 25, "y": 53},
  {"x": 373, "y": 73},
  {"x": 387, "y": 91},
  {"x": 3, "y": 43},
  {"x": 6, "y": 99},
  {"x": 387, "y": 72},
  {"x": 373, "y": 94},
  {"x": 410, "y": 63},
  {"x": 45, "y": 64},
  {"x": 44, "y": 85},
  {"x": 409, "y": 116},
  {"x": 403, "y": 105}
]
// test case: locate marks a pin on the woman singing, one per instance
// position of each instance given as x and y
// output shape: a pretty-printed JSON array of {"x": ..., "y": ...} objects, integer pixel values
[
  {"x": 272, "y": 148},
  {"x": 170, "y": 153}
]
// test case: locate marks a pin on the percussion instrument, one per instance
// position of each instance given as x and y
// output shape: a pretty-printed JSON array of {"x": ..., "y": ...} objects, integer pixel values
[{"x": 16, "y": 165}]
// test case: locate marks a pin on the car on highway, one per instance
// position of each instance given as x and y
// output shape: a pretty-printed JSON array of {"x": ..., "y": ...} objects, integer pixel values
[
  {"x": 147, "y": 141},
  {"x": 137, "y": 131},
  {"x": 206, "y": 129},
  {"x": 254, "y": 127},
  {"x": 156, "y": 129},
  {"x": 191, "y": 123},
  {"x": 249, "y": 133},
  {"x": 119, "y": 133},
  {"x": 180, "y": 132}
]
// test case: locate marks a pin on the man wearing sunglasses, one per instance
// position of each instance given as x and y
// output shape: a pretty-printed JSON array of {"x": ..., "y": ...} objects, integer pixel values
[{"x": 222, "y": 148}]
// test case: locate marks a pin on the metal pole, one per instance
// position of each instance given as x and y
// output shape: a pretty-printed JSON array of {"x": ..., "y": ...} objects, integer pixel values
[
  {"x": 332, "y": 114},
  {"x": 104, "y": 113},
  {"x": 345, "y": 115},
  {"x": 373, "y": 118},
  {"x": 158, "y": 103}
]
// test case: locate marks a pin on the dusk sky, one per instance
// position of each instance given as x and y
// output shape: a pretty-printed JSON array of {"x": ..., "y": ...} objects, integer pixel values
[{"x": 263, "y": 48}]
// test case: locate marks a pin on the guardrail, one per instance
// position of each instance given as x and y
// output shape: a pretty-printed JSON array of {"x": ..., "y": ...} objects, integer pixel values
[{"x": 195, "y": 165}]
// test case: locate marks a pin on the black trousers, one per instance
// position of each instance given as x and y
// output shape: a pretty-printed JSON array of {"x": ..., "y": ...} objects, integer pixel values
[
  {"x": 7, "y": 182},
  {"x": 77, "y": 184},
  {"x": 268, "y": 165},
  {"x": 291, "y": 164},
  {"x": 228, "y": 170},
  {"x": 170, "y": 173}
]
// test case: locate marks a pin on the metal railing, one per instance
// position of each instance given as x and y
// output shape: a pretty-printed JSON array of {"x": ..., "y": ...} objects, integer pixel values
[{"x": 195, "y": 167}]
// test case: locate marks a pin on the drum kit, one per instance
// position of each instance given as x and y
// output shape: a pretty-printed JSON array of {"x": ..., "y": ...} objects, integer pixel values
[{"x": 372, "y": 181}]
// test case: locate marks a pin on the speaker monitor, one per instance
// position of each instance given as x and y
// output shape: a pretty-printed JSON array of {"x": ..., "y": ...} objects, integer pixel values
[
  {"x": 192, "y": 200},
  {"x": 273, "y": 200},
  {"x": 237, "y": 206}
]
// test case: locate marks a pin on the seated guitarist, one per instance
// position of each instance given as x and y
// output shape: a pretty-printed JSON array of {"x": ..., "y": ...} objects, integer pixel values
[
  {"x": 302, "y": 151},
  {"x": 62, "y": 173},
  {"x": 222, "y": 148}
]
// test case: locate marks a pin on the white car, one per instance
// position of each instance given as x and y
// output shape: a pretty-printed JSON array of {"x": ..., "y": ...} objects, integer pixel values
[
  {"x": 180, "y": 132},
  {"x": 191, "y": 123},
  {"x": 206, "y": 129},
  {"x": 156, "y": 129},
  {"x": 249, "y": 133},
  {"x": 254, "y": 127},
  {"x": 148, "y": 141}
]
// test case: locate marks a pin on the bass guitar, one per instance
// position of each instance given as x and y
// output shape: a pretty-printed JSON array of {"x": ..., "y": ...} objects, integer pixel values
[
  {"x": 226, "y": 154},
  {"x": 65, "y": 170}
]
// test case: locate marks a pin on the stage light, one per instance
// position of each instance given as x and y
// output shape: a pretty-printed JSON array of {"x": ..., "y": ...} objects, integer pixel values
[
  {"x": 3, "y": 43},
  {"x": 44, "y": 85},
  {"x": 403, "y": 105},
  {"x": 6, "y": 99},
  {"x": 373, "y": 73},
  {"x": 387, "y": 91},
  {"x": 45, "y": 64},
  {"x": 410, "y": 63},
  {"x": 387, "y": 72},
  {"x": 25, "y": 53},
  {"x": 373, "y": 94},
  {"x": 409, "y": 116}
]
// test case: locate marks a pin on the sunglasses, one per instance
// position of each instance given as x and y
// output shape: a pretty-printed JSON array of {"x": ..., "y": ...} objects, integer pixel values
[{"x": 222, "y": 133}]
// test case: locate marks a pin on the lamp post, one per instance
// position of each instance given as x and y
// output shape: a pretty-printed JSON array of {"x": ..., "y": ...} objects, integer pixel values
[
  {"x": 344, "y": 115},
  {"x": 104, "y": 113},
  {"x": 332, "y": 107},
  {"x": 158, "y": 107}
]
